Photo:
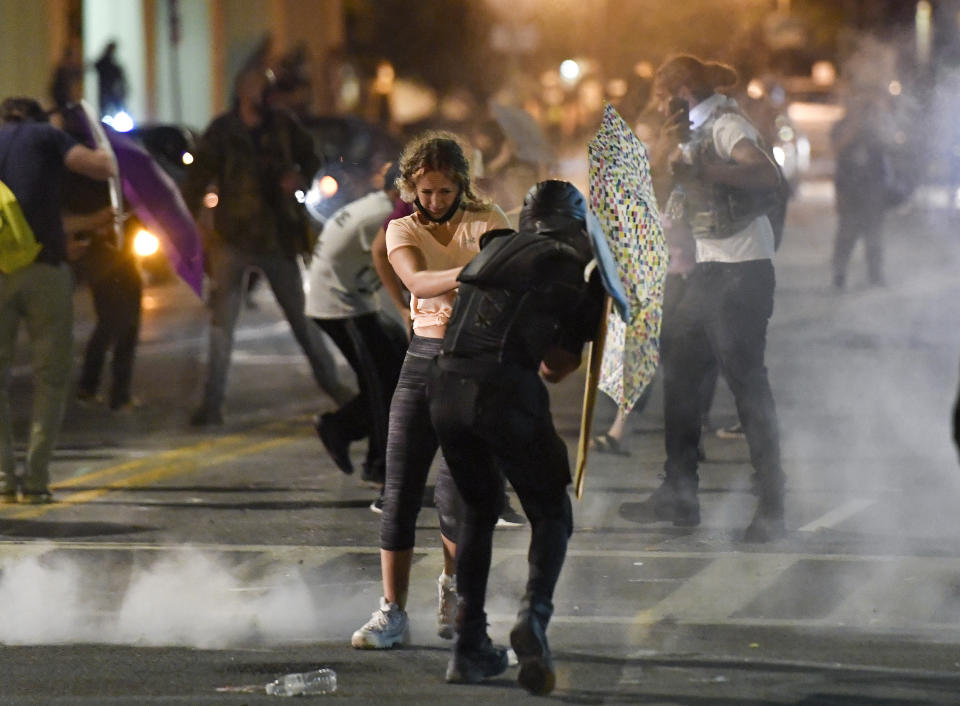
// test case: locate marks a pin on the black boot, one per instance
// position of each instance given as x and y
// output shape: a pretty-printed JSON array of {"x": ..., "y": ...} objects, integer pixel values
[
  {"x": 529, "y": 640},
  {"x": 676, "y": 500},
  {"x": 337, "y": 445},
  {"x": 768, "y": 524},
  {"x": 475, "y": 657},
  {"x": 662, "y": 500}
]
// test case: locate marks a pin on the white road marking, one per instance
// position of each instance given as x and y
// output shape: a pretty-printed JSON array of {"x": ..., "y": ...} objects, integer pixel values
[{"x": 838, "y": 515}]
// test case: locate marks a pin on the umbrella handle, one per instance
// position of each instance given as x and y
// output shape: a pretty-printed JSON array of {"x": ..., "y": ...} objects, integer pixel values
[{"x": 594, "y": 361}]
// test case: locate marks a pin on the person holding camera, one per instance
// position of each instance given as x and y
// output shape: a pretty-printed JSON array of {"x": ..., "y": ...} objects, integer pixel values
[{"x": 721, "y": 183}]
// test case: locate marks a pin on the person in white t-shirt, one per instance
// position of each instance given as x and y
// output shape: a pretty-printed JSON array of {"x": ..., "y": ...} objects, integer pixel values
[
  {"x": 342, "y": 300},
  {"x": 427, "y": 250},
  {"x": 718, "y": 174}
]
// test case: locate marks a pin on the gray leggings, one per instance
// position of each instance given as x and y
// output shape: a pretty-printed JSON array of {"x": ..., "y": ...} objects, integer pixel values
[{"x": 411, "y": 447}]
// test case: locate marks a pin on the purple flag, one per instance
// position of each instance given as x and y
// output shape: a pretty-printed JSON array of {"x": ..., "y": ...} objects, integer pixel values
[
  {"x": 156, "y": 200},
  {"x": 153, "y": 196}
]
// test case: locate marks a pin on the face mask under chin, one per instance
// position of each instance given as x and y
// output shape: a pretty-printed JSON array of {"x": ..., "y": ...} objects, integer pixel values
[{"x": 451, "y": 212}]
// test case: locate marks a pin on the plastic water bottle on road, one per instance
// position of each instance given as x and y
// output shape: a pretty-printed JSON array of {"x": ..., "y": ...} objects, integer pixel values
[{"x": 321, "y": 681}]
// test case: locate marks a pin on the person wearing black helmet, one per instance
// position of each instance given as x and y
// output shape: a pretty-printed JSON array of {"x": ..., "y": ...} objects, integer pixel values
[{"x": 523, "y": 312}]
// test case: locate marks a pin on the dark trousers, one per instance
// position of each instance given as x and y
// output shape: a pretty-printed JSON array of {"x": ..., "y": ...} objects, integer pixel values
[
  {"x": 229, "y": 266},
  {"x": 720, "y": 316},
  {"x": 116, "y": 301},
  {"x": 490, "y": 427},
  {"x": 411, "y": 447},
  {"x": 855, "y": 224},
  {"x": 374, "y": 346},
  {"x": 673, "y": 288}
]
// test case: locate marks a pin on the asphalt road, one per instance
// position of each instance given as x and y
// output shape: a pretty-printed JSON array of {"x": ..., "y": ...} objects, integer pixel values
[{"x": 190, "y": 567}]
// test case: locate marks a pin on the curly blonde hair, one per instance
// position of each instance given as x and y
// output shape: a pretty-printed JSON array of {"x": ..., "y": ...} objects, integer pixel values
[{"x": 440, "y": 151}]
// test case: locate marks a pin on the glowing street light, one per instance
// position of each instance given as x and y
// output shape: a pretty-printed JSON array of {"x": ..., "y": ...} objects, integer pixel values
[{"x": 569, "y": 70}]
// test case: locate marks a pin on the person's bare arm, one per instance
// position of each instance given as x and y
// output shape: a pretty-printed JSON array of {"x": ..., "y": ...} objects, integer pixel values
[
  {"x": 411, "y": 268},
  {"x": 749, "y": 168},
  {"x": 391, "y": 283},
  {"x": 96, "y": 164}
]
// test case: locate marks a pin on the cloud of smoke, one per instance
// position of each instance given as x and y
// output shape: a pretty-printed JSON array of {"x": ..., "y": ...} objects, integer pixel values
[{"x": 187, "y": 598}]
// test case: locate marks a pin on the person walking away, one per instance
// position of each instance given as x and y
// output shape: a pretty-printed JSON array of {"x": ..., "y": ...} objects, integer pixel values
[
  {"x": 117, "y": 290},
  {"x": 427, "y": 250},
  {"x": 862, "y": 171},
  {"x": 343, "y": 302},
  {"x": 111, "y": 82},
  {"x": 722, "y": 185},
  {"x": 257, "y": 157},
  {"x": 33, "y": 158},
  {"x": 524, "y": 307}
]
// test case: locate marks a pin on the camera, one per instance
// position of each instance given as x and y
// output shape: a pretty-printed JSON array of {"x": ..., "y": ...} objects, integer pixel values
[{"x": 679, "y": 105}]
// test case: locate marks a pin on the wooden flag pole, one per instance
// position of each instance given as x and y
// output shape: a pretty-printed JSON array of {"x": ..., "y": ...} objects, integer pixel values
[{"x": 594, "y": 360}]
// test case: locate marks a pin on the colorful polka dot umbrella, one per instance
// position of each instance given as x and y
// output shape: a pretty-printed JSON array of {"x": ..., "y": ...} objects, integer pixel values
[{"x": 622, "y": 199}]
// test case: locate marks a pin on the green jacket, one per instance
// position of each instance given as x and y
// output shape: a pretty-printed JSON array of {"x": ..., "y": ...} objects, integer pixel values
[{"x": 245, "y": 167}]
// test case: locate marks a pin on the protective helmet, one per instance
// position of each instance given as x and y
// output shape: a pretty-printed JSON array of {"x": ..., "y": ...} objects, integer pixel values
[
  {"x": 558, "y": 209},
  {"x": 551, "y": 206}
]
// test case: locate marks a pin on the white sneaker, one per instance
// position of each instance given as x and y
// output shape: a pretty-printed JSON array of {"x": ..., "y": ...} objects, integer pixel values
[
  {"x": 387, "y": 627},
  {"x": 447, "y": 606},
  {"x": 731, "y": 432}
]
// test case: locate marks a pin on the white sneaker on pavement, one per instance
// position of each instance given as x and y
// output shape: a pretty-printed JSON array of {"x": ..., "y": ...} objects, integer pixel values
[
  {"x": 447, "y": 606},
  {"x": 731, "y": 432},
  {"x": 387, "y": 627}
]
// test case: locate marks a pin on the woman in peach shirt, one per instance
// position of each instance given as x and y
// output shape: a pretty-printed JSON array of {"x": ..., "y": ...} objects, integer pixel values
[{"x": 427, "y": 250}]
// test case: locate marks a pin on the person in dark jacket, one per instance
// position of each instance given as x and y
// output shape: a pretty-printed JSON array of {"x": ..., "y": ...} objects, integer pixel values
[
  {"x": 257, "y": 157},
  {"x": 111, "y": 81},
  {"x": 861, "y": 180},
  {"x": 523, "y": 312},
  {"x": 34, "y": 156}
]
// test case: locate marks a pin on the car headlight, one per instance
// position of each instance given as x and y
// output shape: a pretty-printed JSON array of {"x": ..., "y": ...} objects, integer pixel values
[{"x": 145, "y": 243}]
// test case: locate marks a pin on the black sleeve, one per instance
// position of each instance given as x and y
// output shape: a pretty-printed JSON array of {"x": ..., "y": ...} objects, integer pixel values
[
  {"x": 303, "y": 150},
  {"x": 583, "y": 322}
]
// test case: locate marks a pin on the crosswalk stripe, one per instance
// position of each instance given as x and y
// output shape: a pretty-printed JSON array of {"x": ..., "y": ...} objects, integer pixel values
[
  {"x": 898, "y": 592},
  {"x": 837, "y": 515},
  {"x": 723, "y": 580}
]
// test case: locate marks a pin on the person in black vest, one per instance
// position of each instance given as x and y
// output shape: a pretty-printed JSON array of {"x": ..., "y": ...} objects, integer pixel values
[
  {"x": 719, "y": 179},
  {"x": 523, "y": 312}
]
